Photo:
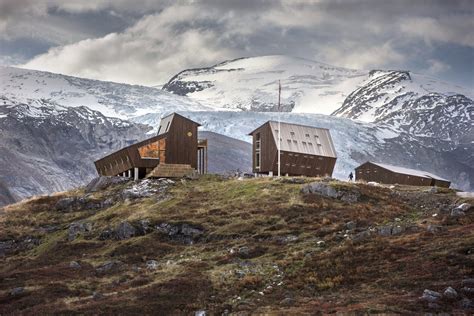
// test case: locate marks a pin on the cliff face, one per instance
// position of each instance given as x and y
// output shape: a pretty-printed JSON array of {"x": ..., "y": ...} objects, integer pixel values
[{"x": 224, "y": 245}]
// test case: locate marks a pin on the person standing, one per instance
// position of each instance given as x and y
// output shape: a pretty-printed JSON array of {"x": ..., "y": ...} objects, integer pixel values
[{"x": 351, "y": 176}]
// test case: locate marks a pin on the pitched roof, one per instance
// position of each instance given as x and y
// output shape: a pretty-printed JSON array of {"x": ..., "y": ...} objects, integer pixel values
[
  {"x": 410, "y": 172},
  {"x": 304, "y": 139},
  {"x": 163, "y": 128}
]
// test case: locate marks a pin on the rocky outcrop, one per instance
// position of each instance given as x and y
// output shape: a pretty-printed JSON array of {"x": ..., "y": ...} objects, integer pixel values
[
  {"x": 345, "y": 194},
  {"x": 101, "y": 183}
]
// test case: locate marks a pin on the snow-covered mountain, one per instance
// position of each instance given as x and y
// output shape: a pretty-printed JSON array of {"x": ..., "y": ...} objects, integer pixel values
[
  {"x": 307, "y": 87},
  {"x": 54, "y": 126},
  {"x": 252, "y": 84},
  {"x": 109, "y": 98}
]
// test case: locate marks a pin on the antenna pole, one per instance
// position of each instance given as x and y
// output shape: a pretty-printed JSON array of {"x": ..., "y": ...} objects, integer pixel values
[{"x": 279, "y": 130}]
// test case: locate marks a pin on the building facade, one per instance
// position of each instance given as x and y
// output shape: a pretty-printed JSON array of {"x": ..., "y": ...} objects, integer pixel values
[
  {"x": 388, "y": 174},
  {"x": 305, "y": 150},
  {"x": 175, "y": 147}
]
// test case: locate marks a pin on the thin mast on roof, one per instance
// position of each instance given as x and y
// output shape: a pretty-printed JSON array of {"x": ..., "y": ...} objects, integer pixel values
[{"x": 279, "y": 129}]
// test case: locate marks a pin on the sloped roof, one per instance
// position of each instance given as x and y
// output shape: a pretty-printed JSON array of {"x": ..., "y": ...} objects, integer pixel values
[
  {"x": 304, "y": 139},
  {"x": 163, "y": 128},
  {"x": 410, "y": 172}
]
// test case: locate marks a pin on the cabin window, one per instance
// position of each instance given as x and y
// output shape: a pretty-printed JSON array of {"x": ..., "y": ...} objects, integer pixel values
[
  {"x": 154, "y": 150},
  {"x": 168, "y": 126},
  {"x": 257, "y": 160},
  {"x": 317, "y": 139},
  {"x": 159, "y": 129},
  {"x": 257, "y": 141}
]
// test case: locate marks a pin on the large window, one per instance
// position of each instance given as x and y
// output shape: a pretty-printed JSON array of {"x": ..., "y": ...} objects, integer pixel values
[{"x": 155, "y": 150}]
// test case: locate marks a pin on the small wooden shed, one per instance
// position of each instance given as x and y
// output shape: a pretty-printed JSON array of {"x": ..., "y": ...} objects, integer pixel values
[
  {"x": 305, "y": 150},
  {"x": 388, "y": 174},
  {"x": 174, "y": 150}
]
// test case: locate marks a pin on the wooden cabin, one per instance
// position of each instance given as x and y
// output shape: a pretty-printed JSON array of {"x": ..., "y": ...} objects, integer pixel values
[
  {"x": 175, "y": 151},
  {"x": 382, "y": 173},
  {"x": 305, "y": 150}
]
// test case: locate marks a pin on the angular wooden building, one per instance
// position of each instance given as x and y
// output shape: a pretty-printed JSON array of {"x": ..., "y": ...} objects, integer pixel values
[
  {"x": 175, "y": 151},
  {"x": 305, "y": 150},
  {"x": 382, "y": 173}
]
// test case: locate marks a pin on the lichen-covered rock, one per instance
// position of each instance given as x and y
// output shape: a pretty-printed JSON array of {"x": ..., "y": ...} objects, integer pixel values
[
  {"x": 450, "y": 293},
  {"x": 125, "y": 231},
  {"x": 324, "y": 189},
  {"x": 431, "y": 296},
  {"x": 152, "y": 264},
  {"x": 17, "y": 291},
  {"x": 78, "y": 228},
  {"x": 349, "y": 195},
  {"x": 185, "y": 233}
]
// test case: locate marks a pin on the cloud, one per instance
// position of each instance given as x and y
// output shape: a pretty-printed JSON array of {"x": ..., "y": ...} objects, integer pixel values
[
  {"x": 436, "y": 67},
  {"x": 456, "y": 29},
  {"x": 164, "y": 37}
]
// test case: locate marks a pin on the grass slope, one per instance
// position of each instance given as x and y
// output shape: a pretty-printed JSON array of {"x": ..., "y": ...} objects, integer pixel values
[{"x": 265, "y": 248}]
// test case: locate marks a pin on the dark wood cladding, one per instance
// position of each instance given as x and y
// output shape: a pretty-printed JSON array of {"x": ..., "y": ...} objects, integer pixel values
[
  {"x": 180, "y": 144},
  {"x": 292, "y": 163},
  {"x": 372, "y": 172},
  {"x": 268, "y": 149}
]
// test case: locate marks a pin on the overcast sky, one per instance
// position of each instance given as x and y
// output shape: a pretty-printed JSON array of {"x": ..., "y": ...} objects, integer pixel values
[{"x": 147, "y": 42}]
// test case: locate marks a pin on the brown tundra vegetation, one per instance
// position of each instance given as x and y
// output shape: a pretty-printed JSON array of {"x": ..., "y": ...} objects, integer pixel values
[{"x": 229, "y": 246}]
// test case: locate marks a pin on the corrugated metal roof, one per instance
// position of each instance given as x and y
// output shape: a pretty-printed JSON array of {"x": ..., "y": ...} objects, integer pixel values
[
  {"x": 304, "y": 139},
  {"x": 407, "y": 171}
]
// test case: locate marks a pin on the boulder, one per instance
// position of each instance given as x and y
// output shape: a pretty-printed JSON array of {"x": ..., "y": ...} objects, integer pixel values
[
  {"x": 109, "y": 266},
  {"x": 385, "y": 231},
  {"x": 466, "y": 303},
  {"x": 100, "y": 183},
  {"x": 431, "y": 296},
  {"x": 125, "y": 231},
  {"x": 183, "y": 232},
  {"x": 464, "y": 207},
  {"x": 351, "y": 225},
  {"x": 17, "y": 291},
  {"x": 74, "y": 265},
  {"x": 468, "y": 282},
  {"x": 144, "y": 227},
  {"x": 70, "y": 204},
  {"x": 107, "y": 234},
  {"x": 364, "y": 235},
  {"x": 152, "y": 264},
  {"x": 287, "y": 301},
  {"x": 450, "y": 293},
  {"x": 324, "y": 189},
  {"x": 200, "y": 313},
  {"x": 78, "y": 228},
  {"x": 457, "y": 213}
]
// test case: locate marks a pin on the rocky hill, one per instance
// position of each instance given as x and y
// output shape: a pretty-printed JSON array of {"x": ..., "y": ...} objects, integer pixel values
[{"x": 236, "y": 246}]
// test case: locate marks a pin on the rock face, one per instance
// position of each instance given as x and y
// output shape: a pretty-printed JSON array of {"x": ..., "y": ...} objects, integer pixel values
[{"x": 54, "y": 147}]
